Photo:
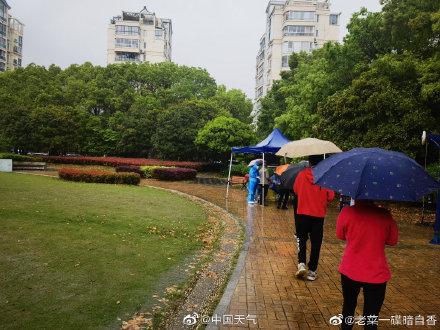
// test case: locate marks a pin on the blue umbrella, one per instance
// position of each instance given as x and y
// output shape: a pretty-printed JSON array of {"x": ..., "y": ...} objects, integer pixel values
[{"x": 376, "y": 174}]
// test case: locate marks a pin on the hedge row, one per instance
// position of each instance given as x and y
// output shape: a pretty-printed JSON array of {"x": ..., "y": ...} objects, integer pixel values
[
  {"x": 19, "y": 158},
  {"x": 118, "y": 161},
  {"x": 130, "y": 169},
  {"x": 174, "y": 174},
  {"x": 148, "y": 171},
  {"x": 97, "y": 176},
  {"x": 160, "y": 172}
]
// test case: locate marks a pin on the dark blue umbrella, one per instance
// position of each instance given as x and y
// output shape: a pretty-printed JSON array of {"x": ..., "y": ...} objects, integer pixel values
[{"x": 376, "y": 174}]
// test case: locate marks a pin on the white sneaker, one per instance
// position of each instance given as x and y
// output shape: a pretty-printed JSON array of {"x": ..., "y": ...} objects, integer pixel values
[
  {"x": 311, "y": 276},
  {"x": 301, "y": 270}
]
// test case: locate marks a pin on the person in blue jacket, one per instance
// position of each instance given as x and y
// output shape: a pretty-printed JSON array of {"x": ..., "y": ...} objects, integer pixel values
[{"x": 254, "y": 180}]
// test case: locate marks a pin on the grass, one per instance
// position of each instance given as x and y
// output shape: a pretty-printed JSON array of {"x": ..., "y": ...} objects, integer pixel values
[{"x": 76, "y": 255}]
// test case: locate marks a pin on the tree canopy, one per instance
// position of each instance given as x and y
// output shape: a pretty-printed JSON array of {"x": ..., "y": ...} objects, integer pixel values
[
  {"x": 380, "y": 87},
  {"x": 122, "y": 109},
  {"x": 222, "y": 133}
]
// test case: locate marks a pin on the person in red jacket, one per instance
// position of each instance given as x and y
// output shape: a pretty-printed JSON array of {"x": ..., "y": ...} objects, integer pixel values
[
  {"x": 367, "y": 228},
  {"x": 311, "y": 211}
]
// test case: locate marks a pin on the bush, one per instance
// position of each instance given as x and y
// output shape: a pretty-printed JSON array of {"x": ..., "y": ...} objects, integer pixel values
[
  {"x": 434, "y": 170},
  {"x": 147, "y": 171},
  {"x": 17, "y": 157},
  {"x": 238, "y": 169},
  {"x": 130, "y": 169},
  {"x": 174, "y": 174},
  {"x": 97, "y": 176},
  {"x": 119, "y": 161}
]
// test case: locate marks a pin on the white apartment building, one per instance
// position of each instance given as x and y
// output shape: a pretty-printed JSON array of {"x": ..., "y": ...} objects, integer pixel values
[
  {"x": 291, "y": 26},
  {"x": 139, "y": 37},
  {"x": 11, "y": 39}
]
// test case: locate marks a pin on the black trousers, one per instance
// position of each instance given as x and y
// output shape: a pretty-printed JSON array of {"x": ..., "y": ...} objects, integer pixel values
[
  {"x": 374, "y": 295},
  {"x": 283, "y": 198},
  {"x": 308, "y": 226},
  {"x": 260, "y": 192}
]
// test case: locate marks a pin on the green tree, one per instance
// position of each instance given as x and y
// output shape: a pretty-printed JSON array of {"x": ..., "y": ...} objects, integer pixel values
[
  {"x": 222, "y": 133},
  {"x": 55, "y": 129},
  {"x": 413, "y": 25},
  {"x": 235, "y": 102},
  {"x": 380, "y": 108},
  {"x": 177, "y": 129}
]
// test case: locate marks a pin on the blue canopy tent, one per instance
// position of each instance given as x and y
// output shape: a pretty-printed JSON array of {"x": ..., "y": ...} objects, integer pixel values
[
  {"x": 269, "y": 145},
  {"x": 435, "y": 139}
]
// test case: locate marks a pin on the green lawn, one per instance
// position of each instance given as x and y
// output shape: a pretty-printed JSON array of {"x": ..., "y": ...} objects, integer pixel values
[{"x": 80, "y": 256}]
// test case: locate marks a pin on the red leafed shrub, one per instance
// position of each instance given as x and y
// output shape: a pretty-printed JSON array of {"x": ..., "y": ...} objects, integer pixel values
[
  {"x": 130, "y": 169},
  {"x": 174, "y": 174},
  {"x": 97, "y": 176},
  {"x": 118, "y": 161}
]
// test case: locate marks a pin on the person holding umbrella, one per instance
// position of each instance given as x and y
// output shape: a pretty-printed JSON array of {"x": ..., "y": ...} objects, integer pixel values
[
  {"x": 288, "y": 177},
  {"x": 311, "y": 211},
  {"x": 283, "y": 193},
  {"x": 367, "y": 228},
  {"x": 367, "y": 174}
]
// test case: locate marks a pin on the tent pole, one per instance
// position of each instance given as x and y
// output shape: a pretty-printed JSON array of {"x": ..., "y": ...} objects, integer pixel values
[
  {"x": 229, "y": 176},
  {"x": 264, "y": 181},
  {"x": 423, "y": 203},
  {"x": 285, "y": 159}
]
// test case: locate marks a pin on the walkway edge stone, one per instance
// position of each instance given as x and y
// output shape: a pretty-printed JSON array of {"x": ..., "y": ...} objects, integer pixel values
[
  {"x": 239, "y": 266},
  {"x": 235, "y": 277}
]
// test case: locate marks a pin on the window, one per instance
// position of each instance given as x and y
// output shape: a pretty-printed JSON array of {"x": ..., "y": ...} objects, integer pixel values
[
  {"x": 129, "y": 57},
  {"x": 317, "y": 33},
  {"x": 145, "y": 45},
  {"x": 149, "y": 19},
  {"x": 158, "y": 33},
  {"x": 2, "y": 66},
  {"x": 2, "y": 29},
  {"x": 19, "y": 62},
  {"x": 269, "y": 28},
  {"x": 285, "y": 61},
  {"x": 2, "y": 42},
  {"x": 2, "y": 10},
  {"x": 2, "y": 55},
  {"x": 290, "y": 47},
  {"x": 260, "y": 92},
  {"x": 260, "y": 57},
  {"x": 127, "y": 30},
  {"x": 300, "y": 15},
  {"x": 128, "y": 43},
  {"x": 334, "y": 19},
  {"x": 15, "y": 62},
  {"x": 298, "y": 30},
  {"x": 260, "y": 69},
  {"x": 317, "y": 17},
  {"x": 262, "y": 44},
  {"x": 20, "y": 40}
]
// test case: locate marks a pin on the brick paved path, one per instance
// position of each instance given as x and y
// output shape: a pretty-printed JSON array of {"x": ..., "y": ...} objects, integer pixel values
[{"x": 268, "y": 289}]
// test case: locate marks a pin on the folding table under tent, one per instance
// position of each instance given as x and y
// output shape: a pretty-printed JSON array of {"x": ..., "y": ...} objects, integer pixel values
[{"x": 269, "y": 145}]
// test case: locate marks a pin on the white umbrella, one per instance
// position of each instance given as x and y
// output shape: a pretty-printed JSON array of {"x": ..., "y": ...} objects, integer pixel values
[
  {"x": 308, "y": 147},
  {"x": 252, "y": 163}
]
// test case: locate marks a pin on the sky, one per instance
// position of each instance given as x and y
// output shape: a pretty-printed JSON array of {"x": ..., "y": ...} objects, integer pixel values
[{"x": 221, "y": 36}]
